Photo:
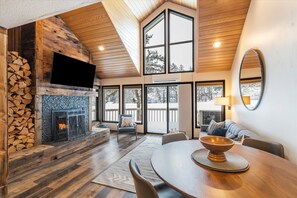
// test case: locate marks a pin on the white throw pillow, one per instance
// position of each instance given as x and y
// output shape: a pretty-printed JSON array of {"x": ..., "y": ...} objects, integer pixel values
[
  {"x": 127, "y": 122},
  {"x": 214, "y": 125}
]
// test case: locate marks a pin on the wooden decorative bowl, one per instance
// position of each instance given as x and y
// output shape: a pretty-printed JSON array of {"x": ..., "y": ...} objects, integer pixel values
[{"x": 216, "y": 145}]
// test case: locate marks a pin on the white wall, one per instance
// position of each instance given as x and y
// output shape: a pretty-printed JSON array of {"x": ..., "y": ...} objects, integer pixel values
[{"x": 271, "y": 26}]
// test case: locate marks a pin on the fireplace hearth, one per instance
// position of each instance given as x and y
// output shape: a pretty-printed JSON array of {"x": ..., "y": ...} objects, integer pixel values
[{"x": 68, "y": 124}]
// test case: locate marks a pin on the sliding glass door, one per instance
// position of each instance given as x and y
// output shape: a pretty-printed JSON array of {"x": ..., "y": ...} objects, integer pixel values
[
  {"x": 168, "y": 107},
  {"x": 156, "y": 109}
]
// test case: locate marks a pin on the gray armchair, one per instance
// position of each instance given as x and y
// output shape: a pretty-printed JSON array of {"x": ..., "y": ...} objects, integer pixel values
[{"x": 130, "y": 129}]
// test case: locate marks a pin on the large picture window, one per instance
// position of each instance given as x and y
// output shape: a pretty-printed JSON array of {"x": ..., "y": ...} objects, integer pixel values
[
  {"x": 206, "y": 110},
  {"x": 179, "y": 46},
  {"x": 181, "y": 42},
  {"x": 132, "y": 101},
  {"x": 154, "y": 46},
  {"x": 111, "y": 104}
]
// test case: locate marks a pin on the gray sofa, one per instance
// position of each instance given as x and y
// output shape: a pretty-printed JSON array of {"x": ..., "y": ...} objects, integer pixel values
[{"x": 234, "y": 131}]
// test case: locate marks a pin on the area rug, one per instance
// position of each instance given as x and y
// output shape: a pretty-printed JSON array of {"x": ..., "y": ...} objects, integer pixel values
[{"x": 118, "y": 174}]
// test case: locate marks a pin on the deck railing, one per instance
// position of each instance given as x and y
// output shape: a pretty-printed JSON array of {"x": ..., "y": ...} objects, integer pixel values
[
  {"x": 153, "y": 114},
  {"x": 160, "y": 115}
]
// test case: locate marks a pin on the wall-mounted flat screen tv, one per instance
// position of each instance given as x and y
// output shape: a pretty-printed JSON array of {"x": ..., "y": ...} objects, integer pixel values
[{"x": 72, "y": 72}]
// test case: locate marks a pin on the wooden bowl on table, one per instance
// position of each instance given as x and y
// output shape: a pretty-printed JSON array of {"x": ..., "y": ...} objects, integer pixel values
[{"x": 216, "y": 145}]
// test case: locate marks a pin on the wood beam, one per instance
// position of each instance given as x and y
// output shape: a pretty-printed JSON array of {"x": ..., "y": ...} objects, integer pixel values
[
  {"x": 63, "y": 92},
  {"x": 3, "y": 113}
]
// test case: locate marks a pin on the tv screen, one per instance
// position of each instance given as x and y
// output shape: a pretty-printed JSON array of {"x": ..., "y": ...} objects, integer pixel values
[{"x": 72, "y": 72}]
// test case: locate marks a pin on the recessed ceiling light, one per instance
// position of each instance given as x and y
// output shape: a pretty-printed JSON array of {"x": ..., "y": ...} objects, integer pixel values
[
  {"x": 217, "y": 44},
  {"x": 101, "y": 48}
]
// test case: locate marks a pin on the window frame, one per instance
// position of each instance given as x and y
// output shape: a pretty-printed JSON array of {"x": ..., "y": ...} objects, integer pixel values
[
  {"x": 123, "y": 99},
  {"x": 103, "y": 101},
  {"x": 181, "y": 42},
  {"x": 155, "y": 46},
  {"x": 223, "y": 112},
  {"x": 97, "y": 106}
]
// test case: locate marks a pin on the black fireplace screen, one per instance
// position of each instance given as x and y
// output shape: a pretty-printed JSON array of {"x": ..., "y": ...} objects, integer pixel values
[{"x": 68, "y": 124}]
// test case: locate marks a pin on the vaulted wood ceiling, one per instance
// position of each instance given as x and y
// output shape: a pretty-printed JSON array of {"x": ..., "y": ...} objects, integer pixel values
[
  {"x": 114, "y": 24},
  {"x": 94, "y": 28},
  {"x": 220, "y": 21},
  {"x": 142, "y": 8}
]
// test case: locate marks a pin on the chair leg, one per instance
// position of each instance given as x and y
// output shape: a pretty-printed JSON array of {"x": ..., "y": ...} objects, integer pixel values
[
  {"x": 118, "y": 136},
  {"x": 136, "y": 135}
]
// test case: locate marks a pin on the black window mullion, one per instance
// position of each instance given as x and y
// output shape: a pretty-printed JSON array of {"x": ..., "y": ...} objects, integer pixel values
[
  {"x": 155, "y": 20},
  {"x": 180, "y": 42}
]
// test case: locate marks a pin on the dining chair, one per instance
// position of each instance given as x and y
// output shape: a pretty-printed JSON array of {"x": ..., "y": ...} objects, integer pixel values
[
  {"x": 144, "y": 189},
  {"x": 270, "y": 147},
  {"x": 172, "y": 137}
]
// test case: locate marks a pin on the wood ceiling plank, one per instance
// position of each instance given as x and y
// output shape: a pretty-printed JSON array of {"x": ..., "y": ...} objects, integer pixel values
[
  {"x": 113, "y": 60},
  {"x": 127, "y": 27},
  {"x": 219, "y": 35},
  {"x": 204, "y": 70},
  {"x": 86, "y": 30},
  {"x": 186, "y": 3},
  {"x": 142, "y": 9},
  {"x": 220, "y": 32},
  {"x": 221, "y": 5},
  {"x": 229, "y": 24},
  {"x": 93, "y": 27},
  {"x": 228, "y": 38},
  {"x": 211, "y": 50},
  {"x": 209, "y": 46},
  {"x": 92, "y": 35},
  {"x": 110, "y": 57},
  {"x": 219, "y": 21},
  {"x": 96, "y": 40}
]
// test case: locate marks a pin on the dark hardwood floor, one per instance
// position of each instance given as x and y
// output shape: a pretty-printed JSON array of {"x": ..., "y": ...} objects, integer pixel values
[{"x": 71, "y": 176}]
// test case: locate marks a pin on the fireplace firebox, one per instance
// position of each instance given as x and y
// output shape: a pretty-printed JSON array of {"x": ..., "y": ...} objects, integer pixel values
[{"x": 68, "y": 124}]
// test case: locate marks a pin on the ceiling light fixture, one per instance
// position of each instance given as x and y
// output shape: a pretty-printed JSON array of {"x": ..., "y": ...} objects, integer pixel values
[
  {"x": 101, "y": 48},
  {"x": 217, "y": 44}
]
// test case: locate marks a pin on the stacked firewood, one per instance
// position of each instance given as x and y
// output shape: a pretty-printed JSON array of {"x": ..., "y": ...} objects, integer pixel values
[{"x": 21, "y": 131}]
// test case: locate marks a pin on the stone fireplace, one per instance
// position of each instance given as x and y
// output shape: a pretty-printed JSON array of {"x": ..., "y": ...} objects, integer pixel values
[
  {"x": 64, "y": 117},
  {"x": 68, "y": 124}
]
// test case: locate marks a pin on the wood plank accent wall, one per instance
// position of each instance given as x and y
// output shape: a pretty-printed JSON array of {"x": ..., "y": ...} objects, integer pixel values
[
  {"x": 39, "y": 41},
  {"x": 3, "y": 114},
  {"x": 57, "y": 37},
  {"x": 38, "y": 52},
  {"x": 14, "y": 41},
  {"x": 127, "y": 29},
  {"x": 93, "y": 27},
  {"x": 219, "y": 21}
]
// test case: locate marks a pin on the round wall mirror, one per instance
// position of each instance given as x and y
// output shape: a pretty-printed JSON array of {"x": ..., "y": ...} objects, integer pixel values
[{"x": 251, "y": 79}]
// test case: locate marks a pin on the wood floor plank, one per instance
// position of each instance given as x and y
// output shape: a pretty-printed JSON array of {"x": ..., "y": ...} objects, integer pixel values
[{"x": 71, "y": 176}]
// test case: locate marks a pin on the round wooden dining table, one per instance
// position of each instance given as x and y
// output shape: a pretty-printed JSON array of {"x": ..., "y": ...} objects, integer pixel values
[{"x": 268, "y": 175}]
